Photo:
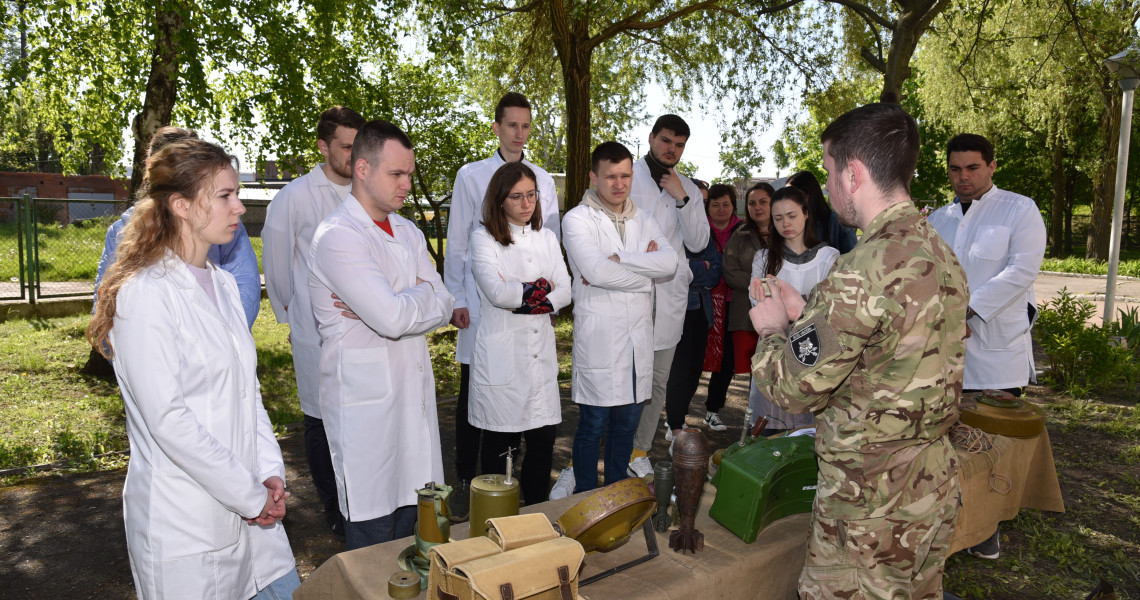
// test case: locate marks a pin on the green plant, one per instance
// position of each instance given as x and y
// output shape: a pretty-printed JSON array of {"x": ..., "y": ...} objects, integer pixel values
[
  {"x": 1127, "y": 326},
  {"x": 1082, "y": 358}
]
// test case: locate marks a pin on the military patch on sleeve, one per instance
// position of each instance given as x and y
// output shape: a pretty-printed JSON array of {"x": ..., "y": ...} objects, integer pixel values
[
  {"x": 804, "y": 344},
  {"x": 812, "y": 343}
]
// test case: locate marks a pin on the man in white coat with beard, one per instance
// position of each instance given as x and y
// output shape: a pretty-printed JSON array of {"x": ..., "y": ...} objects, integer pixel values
[
  {"x": 377, "y": 391},
  {"x": 290, "y": 222},
  {"x": 512, "y": 127},
  {"x": 999, "y": 237},
  {"x": 675, "y": 203},
  {"x": 615, "y": 251}
]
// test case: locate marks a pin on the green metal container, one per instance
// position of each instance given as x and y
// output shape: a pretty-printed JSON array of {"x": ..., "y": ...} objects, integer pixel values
[{"x": 764, "y": 481}]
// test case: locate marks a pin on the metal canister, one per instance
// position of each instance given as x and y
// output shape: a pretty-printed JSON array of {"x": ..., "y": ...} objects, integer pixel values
[
  {"x": 663, "y": 490},
  {"x": 492, "y": 496},
  {"x": 432, "y": 513}
]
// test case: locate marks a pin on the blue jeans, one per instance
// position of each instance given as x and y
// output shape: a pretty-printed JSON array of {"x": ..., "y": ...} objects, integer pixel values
[
  {"x": 400, "y": 524},
  {"x": 618, "y": 424},
  {"x": 281, "y": 588}
]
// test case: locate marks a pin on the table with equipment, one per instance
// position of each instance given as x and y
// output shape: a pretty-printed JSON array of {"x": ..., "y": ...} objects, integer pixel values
[{"x": 998, "y": 480}]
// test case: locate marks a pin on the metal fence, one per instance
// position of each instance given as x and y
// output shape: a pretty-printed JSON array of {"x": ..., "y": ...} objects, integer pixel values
[
  {"x": 13, "y": 240},
  {"x": 50, "y": 247}
]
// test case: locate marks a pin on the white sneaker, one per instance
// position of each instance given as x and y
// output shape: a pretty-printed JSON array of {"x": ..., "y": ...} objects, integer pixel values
[
  {"x": 713, "y": 421},
  {"x": 564, "y": 486},
  {"x": 640, "y": 467}
]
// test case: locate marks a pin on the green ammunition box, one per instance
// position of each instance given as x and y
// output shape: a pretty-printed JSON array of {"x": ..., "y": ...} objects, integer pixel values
[{"x": 763, "y": 481}]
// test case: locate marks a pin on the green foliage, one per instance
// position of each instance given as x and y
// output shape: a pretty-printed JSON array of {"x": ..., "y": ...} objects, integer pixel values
[
  {"x": 801, "y": 136},
  {"x": 1028, "y": 75},
  {"x": 1082, "y": 357},
  {"x": 1089, "y": 266},
  {"x": 741, "y": 160},
  {"x": 1127, "y": 326},
  {"x": 255, "y": 72}
]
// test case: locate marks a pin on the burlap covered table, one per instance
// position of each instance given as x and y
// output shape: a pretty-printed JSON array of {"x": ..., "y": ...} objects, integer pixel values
[
  {"x": 986, "y": 497},
  {"x": 728, "y": 568}
]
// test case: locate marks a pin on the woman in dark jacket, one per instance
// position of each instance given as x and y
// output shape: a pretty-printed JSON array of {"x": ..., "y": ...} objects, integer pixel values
[{"x": 737, "y": 268}]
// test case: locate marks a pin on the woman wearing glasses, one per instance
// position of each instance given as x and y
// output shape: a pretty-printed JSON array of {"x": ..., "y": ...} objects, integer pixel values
[{"x": 522, "y": 278}]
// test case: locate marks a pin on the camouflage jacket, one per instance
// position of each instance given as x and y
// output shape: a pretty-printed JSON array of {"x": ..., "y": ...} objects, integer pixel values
[{"x": 878, "y": 356}]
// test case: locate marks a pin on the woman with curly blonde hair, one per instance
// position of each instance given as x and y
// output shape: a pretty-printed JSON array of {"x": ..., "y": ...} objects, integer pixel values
[{"x": 205, "y": 491}]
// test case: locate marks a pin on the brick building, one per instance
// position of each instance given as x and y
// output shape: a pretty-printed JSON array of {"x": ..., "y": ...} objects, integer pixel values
[{"x": 54, "y": 185}]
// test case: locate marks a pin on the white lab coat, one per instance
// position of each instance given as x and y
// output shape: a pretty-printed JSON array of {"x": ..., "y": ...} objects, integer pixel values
[
  {"x": 685, "y": 227},
  {"x": 465, "y": 217},
  {"x": 613, "y": 328},
  {"x": 514, "y": 366},
  {"x": 1000, "y": 243},
  {"x": 290, "y": 221},
  {"x": 377, "y": 389},
  {"x": 201, "y": 441}
]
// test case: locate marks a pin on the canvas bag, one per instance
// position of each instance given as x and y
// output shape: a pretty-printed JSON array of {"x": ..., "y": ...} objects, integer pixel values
[{"x": 522, "y": 557}]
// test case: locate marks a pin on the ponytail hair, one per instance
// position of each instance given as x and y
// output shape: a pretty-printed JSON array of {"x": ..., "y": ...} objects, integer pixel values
[{"x": 185, "y": 169}]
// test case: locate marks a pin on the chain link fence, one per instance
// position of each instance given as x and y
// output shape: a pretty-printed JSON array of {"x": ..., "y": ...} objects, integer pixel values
[{"x": 13, "y": 240}]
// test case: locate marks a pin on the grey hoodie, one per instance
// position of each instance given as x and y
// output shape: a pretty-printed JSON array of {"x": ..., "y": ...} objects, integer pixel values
[{"x": 629, "y": 209}]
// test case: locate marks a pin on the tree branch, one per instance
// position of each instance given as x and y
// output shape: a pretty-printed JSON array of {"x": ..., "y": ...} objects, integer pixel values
[
  {"x": 866, "y": 12},
  {"x": 808, "y": 73},
  {"x": 876, "y": 62}
]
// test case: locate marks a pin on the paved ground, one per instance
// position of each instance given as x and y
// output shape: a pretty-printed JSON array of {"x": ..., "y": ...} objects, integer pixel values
[{"x": 1089, "y": 287}]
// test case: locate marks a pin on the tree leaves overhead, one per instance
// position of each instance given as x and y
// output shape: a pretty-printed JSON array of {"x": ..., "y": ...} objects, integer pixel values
[
  {"x": 1028, "y": 75},
  {"x": 255, "y": 71}
]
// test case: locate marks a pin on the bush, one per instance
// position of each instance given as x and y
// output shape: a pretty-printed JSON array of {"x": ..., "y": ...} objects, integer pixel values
[{"x": 1082, "y": 357}]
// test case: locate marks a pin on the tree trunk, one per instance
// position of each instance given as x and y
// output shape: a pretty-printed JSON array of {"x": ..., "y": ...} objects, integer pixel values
[
  {"x": 438, "y": 233},
  {"x": 1104, "y": 178},
  {"x": 913, "y": 19},
  {"x": 1057, "y": 210},
  {"x": 569, "y": 37},
  {"x": 161, "y": 86}
]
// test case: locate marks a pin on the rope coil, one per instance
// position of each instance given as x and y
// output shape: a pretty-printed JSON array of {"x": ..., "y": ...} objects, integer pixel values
[{"x": 972, "y": 440}]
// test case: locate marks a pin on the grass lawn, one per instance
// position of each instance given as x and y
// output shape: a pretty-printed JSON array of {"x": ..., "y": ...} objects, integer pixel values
[{"x": 52, "y": 412}]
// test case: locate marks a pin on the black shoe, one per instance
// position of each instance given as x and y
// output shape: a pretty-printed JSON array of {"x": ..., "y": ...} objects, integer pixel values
[
  {"x": 335, "y": 522},
  {"x": 459, "y": 503},
  {"x": 989, "y": 549}
]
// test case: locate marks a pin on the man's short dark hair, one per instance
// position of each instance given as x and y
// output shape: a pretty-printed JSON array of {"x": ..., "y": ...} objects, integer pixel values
[
  {"x": 337, "y": 116},
  {"x": 881, "y": 136},
  {"x": 510, "y": 100},
  {"x": 371, "y": 137},
  {"x": 671, "y": 122},
  {"x": 611, "y": 152},
  {"x": 970, "y": 142}
]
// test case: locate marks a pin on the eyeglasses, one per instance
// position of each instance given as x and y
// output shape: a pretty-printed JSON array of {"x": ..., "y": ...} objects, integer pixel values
[{"x": 516, "y": 199}]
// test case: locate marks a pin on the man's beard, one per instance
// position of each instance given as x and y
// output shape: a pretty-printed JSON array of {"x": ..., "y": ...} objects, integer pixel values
[
  {"x": 342, "y": 170},
  {"x": 847, "y": 217},
  {"x": 664, "y": 162}
]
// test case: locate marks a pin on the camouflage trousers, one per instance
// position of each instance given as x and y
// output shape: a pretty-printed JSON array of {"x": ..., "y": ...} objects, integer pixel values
[{"x": 900, "y": 556}]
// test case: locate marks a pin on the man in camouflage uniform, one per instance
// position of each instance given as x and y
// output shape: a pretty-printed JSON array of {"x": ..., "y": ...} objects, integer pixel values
[{"x": 877, "y": 353}]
